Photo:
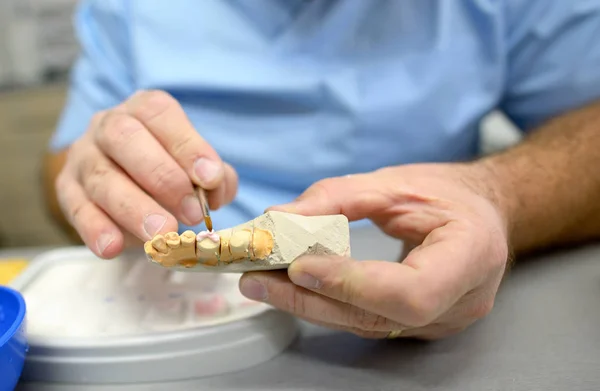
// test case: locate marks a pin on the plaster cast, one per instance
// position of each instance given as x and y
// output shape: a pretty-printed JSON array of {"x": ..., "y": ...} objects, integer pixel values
[{"x": 270, "y": 241}]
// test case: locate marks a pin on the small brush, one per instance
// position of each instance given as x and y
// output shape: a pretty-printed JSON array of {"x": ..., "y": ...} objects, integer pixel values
[{"x": 204, "y": 204}]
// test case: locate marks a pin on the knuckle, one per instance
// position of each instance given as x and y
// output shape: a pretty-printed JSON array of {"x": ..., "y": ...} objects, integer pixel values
[
  {"x": 166, "y": 179},
  {"x": 60, "y": 182},
  {"x": 96, "y": 182},
  {"x": 85, "y": 168},
  {"x": 366, "y": 199},
  {"x": 75, "y": 212},
  {"x": 347, "y": 290},
  {"x": 481, "y": 309},
  {"x": 422, "y": 309},
  {"x": 230, "y": 184},
  {"x": 152, "y": 103},
  {"x": 296, "y": 302},
  {"x": 126, "y": 207},
  {"x": 369, "y": 321},
  {"x": 98, "y": 187},
  {"x": 341, "y": 283},
  {"x": 499, "y": 252},
  {"x": 97, "y": 119},
  {"x": 181, "y": 144},
  {"x": 364, "y": 194},
  {"x": 61, "y": 185},
  {"x": 76, "y": 153},
  {"x": 116, "y": 129},
  {"x": 322, "y": 188}
]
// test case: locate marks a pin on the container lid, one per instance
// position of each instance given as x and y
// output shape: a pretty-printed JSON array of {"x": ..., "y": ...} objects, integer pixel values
[{"x": 92, "y": 321}]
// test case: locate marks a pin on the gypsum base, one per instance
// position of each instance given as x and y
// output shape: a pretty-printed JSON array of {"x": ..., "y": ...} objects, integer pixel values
[{"x": 269, "y": 242}]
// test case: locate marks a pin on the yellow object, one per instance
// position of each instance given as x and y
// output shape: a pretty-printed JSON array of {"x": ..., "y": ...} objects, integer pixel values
[{"x": 11, "y": 268}]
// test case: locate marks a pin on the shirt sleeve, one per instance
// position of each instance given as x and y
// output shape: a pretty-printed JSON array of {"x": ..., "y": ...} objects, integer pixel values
[
  {"x": 553, "y": 58},
  {"x": 101, "y": 76}
]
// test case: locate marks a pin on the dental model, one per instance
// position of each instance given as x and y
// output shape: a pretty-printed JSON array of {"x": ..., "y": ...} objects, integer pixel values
[{"x": 270, "y": 241}]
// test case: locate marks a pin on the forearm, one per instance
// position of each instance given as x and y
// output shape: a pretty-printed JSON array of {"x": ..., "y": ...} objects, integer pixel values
[{"x": 549, "y": 185}]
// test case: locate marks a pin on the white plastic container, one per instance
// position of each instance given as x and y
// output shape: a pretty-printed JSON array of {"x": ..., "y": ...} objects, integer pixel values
[{"x": 127, "y": 320}]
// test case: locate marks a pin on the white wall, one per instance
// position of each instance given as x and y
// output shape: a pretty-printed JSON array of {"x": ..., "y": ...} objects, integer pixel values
[{"x": 36, "y": 36}]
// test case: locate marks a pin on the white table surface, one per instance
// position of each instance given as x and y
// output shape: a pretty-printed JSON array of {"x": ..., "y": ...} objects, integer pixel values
[{"x": 543, "y": 334}]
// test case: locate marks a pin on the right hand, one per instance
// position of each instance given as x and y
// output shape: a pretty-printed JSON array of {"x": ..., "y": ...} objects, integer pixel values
[{"x": 132, "y": 174}]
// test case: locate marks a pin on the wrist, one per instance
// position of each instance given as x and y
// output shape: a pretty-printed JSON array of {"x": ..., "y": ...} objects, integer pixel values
[{"x": 491, "y": 182}]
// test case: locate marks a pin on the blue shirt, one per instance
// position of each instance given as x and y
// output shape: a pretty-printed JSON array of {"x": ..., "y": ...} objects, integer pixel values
[{"x": 293, "y": 91}]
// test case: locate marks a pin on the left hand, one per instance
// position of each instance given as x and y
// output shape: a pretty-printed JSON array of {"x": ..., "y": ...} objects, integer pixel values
[{"x": 449, "y": 213}]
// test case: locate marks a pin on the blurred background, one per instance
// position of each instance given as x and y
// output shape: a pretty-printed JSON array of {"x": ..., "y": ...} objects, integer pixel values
[{"x": 37, "y": 48}]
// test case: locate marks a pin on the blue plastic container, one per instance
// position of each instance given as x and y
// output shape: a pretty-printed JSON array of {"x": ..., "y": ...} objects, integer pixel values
[{"x": 13, "y": 338}]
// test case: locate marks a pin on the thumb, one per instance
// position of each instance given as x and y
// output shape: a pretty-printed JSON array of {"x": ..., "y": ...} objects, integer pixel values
[
  {"x": 357, "y": 197},
  {"x": 432, "y": 278}
]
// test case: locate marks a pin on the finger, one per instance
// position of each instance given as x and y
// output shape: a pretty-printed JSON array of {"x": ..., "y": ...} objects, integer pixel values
[
  {"x": 115, "y": 193},
  {"x": 225, "y": 193},
  {"x": 276, "y": 289},
  {"x": 127, "y": 142},
  {"x": 96, "y": 229},
  {"x": 472, "y": 307},
  {"x": 165, "y": 118},
  {"x": 369, "y": 334},
  {"x": 380, "y": 196},
  {"x": 454, "y": 322},
  {"x": 416, "y": 292},
  {"x": 357, "y": 197}
]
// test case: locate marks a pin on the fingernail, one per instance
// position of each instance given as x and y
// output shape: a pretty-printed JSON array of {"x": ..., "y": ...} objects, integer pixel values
[
  {"x": 190, "y": 207},
  {"x": 305, "y": 280},
  {"x": 154, "y": 223},
  {"x": 103, "y": 242},
  {"x": 206, "y": 170},
  {"x": 253, "y": 289}
]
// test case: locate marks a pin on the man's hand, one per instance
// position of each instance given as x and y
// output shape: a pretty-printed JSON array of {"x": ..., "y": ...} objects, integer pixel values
[
  {"x": 132, "y": 173},
  {"x": 448, "y": 280}
]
